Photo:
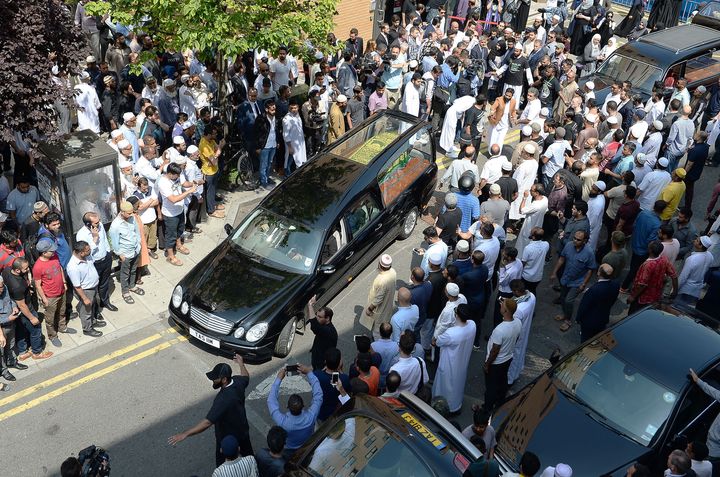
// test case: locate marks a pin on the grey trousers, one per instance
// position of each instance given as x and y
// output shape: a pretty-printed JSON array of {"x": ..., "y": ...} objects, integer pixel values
[
  {"x": 87, "y": 312},
  {"x": 7, "y": 353}
]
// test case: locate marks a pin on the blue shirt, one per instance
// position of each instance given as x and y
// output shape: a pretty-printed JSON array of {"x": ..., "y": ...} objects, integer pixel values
[
  {"x": 645, "y": 231},
  {"x": 428, "y": 63},
  {"x": 124, "y": 237},
  {"x": 393, "y": 76},
  {"x": 463, "y": 265},
  {"x": 7, "y": 304},
  {"x": 330, "y": 393},
  {"x": 447, "y": 77},
  {"x": 405, "y": 318},
  {"x": 577, "y": 264},
  {"x": 130, "y": 136},
  {"x": 388, "y": 351},
  {"x": 625, "y": 164},
  {"x": 469, "y": 205},
  {"x": 63, "y": 248},
  {"x": 301, "y": 427},
  {"x": 420, "y": 296},
  {"x": 98, "y": 251}
]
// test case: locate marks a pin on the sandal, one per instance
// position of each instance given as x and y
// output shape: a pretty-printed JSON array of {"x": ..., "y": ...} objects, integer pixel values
[
  {"x": 153, "y": 254},
  {"x": 175, "y": 261},
  {"x": 217, "y": 214},
  {"x": 566, "y": 325},
  {"x": 138, "y": 291},
  {"x": 559, "y": 318},
  {"x": 184, "y": 250},
  {"x": 220, "y": 207},
  {"x": 128, "y": 299},
  {"x": 196, "y": 230},
  {"x": 5, "y": 387},
  {"x": 138, "y": 282}
]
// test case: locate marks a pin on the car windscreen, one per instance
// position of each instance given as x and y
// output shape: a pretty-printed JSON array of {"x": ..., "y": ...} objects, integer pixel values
[
  {"x": 367, "y": 142},
  {"x": 268, "y": 237},
  {"x": 711, "y": 10},
  {"x": 358, "y": 446},
  {"x": 615, "y": 393},
  {"x": 619, "y": 68}
]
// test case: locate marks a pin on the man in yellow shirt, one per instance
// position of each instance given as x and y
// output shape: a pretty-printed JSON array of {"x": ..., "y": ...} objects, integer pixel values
[
  {"x": 210, "y": 152},
  {"x": 672, "y": 193}
]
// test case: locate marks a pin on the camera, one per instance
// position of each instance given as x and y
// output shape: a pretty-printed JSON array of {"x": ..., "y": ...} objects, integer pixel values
[
  {"x": 291, "y": 369},
  {"x": 316, "y": 118},
  {"x": 95, "y": 462}
]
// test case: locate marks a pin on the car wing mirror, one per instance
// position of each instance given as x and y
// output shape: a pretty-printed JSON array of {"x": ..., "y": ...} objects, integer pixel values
[
  {"x": 228, "y": 229},
  {"x": 327, "y": 269}
]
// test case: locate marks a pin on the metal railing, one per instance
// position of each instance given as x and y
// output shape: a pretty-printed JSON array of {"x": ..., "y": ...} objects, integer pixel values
[{"x": 687, "y": 7}]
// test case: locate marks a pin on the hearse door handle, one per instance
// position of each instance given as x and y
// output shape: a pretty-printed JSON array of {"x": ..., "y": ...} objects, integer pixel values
[
  {"x": 378, "y": 227},
  {"x": 347, "y": 257}
]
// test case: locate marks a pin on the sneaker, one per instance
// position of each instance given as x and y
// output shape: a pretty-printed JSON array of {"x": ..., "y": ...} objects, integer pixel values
[
  {"x": 43, "y": 355},
  {"x": 69, "y": 331},
  {"x": 93, "y": 333},
  {"x": 56, "y": 342},
  {"x": 25, "y": 355}
]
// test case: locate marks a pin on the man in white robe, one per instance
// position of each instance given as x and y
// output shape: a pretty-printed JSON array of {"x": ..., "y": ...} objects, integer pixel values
[
  {"x": 596, "y": 207},
  {"x": 525, "y": 176},
  {"x": 88, "y": 105},
  {"x": 534, "y": 214},
  {"x": 456, "y": 345},
  {"x": 187, "y": 99},
  {"x": 446, "y": 320},
  {"x": 525, "y": 310},
  {"x": 453, "y": 115},
  {"x": 410, "y": 103},
  {"x": 294, "y": 137}
]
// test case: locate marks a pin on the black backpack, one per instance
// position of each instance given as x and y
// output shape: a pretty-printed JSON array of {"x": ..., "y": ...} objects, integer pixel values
[{"x": 30, "y": 246}]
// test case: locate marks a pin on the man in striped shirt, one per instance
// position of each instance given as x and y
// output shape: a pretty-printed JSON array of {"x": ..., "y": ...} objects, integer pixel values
[{"x": 235, "y": 466}]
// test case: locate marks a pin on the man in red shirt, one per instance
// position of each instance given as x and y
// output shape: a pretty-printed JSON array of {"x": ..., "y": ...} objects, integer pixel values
[
  {"x": 648, "y": 285},
  {"x": 50, "y": 287},
  {"x": 10, "y": 248}
]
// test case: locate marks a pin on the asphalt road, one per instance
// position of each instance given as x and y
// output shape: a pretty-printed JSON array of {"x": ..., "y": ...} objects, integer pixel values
[{"x": 137, "y": 389}]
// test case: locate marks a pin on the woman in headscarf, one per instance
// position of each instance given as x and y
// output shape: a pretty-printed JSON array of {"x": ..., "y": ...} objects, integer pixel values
[
  {"x": 606, "y": 27},
  {"x": 495, "y": 61},
  {"x": 609, "y": 47},
  {"x": 591, "y": 56},
  {"x": 583, "y": 21},
  {"x": 665, "y": 12},
  {"x": 633, "y": 18}
]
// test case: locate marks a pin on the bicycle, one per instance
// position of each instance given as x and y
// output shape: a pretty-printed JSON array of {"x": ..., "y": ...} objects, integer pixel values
[{"x": 246, "y": 174}]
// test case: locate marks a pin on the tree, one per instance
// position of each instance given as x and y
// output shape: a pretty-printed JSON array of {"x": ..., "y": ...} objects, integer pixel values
[
  {"x": 227, "y": 27},
  {"x": 36, "y": 34}
]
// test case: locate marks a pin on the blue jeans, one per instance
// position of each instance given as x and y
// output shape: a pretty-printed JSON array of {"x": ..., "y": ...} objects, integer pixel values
[
  {"x": 210, "y": 190},
  {"x": 28, "y": 334},
  {"x": 266, "y": 159},
  {"x": 673, "y": 160},
  {"x": 685, "y": 299}
]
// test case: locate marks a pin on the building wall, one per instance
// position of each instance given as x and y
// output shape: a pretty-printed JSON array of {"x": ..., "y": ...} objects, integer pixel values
[{"x": 357, "y": 14}]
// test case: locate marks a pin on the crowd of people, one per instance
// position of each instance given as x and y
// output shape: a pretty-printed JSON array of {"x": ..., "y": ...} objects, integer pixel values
[{"x": 593, "y": 188}]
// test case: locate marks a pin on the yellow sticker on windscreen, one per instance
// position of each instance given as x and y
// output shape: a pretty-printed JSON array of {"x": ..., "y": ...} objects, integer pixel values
[{"x": 425, "y": 432}]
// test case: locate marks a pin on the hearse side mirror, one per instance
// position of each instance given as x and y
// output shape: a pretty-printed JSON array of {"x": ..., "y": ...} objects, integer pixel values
[
  {"x": 327, "y": 269},
  {"x": 228, "y": 229}
]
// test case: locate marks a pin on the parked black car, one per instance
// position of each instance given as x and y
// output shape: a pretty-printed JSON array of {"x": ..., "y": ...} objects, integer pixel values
[
  {"x": 310, "y": 236},
  {"x": 623, "y": 396},
  {"x": 685, "y": 51},
  {"x": 376, "y": 437}
]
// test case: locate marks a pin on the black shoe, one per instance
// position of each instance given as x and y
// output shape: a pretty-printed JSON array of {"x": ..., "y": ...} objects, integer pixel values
[
  {"x": 69, "y": 331},
  {"x": 8, "y": 375},
  {"x": 110, "y": 307},
  {"x": 18, "y": 365},
  {"x": 99, "y": 323},
  {"x": 93, "y": 333}
]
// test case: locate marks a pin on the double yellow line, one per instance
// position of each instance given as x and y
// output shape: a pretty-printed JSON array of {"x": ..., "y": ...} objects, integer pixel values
[{"x": 90, "y": 377}]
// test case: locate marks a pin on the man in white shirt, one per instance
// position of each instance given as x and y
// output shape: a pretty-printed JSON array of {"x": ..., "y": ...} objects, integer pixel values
[
  {"x": 410, "y": 103},
  {"x": 492, "y": 170},
  {"x": 148, "y": 213},
  {"x": 533, "y": 259},
  {"x": 437, "y": 250},
  {"x": 652, "y": 144},
  {"x": 653, "y": 184},
  {"x": 499, "y": 354},
  {"x": 692, "y": 277},
  {"x": 447, "y": 315},
  {"x": 147, "y": 164},
  {"x": 614, "y": 95},
  {"x": 532, "y": 109},
  {"x": 173, "y": 210},
  {"x": 458, "y": 167},
  {"x": 411, "y": 370},
  {"x": 554, "y": 157},
  {"x": 192, "y": 204},
  {"x": 406, "y": 316},
  {"x": 281, "y": 70}
]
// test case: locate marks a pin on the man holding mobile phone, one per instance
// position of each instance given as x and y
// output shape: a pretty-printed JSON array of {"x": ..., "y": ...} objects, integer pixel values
[
  {"x": 94, "y": 234},
  {"x": 9, "y": 313}
]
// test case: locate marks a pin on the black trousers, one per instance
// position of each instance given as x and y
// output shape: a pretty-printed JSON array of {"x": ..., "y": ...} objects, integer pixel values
[
  {"x": 635, "y": 262},
  {"x": 192, "y": 216},
  {"x": 245, "y": 448},
  {"x": 103, "y": 268},
  {"x": 531, "y": 286},
  {"x": 496, "y": 384}
]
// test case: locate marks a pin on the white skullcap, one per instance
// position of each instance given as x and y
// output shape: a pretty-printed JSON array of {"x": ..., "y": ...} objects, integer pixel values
[
  {"x": 342, "y": 98},
  {"x": 115, "y": 133},
  {"x": 544, "y": 112},
  {"x": 124, "y": 164},
  {"x": 55, "y": 70},
  {"x": 590, "y": 85},
  {"x": 663, "y": 161},
  {"x": 640, "y": 158},
  {"x": 563, "y": 470},
  {"x": 637, "y": 130},
  {"x": 591, "y": 118},
  {"x": 128, "y": 116},
  {"x": 124, "y": 144},
  {"x": 168, "y": 82},
  {"x": 495, "y": 189},
  {"x": 452, "y": 289},
  {"x": 506, "y": 166},
  {"x": 601, "y": 186},
  {"x": 90, "y": 59},
  {"x": 462, "y": 246},
  {"x": 530, "y": 148},
  {"x": 184, "y": 78},
  {"x": 612, "y": 120},
  {"x": 706, "y": 241},
  {"x": 435, "y": 257},
  {"x": 386, "y": 260},
  {"x": 178, "y": 140},
  {"x": 192, "y": 149},
  {"x": 526, "y": 130},
  {"x": 179, "y": 159},
  {"x": 658, "y": 125}
]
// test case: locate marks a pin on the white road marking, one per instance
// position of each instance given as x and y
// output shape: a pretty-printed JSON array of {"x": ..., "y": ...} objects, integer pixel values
[{"x": 290, "y": 385}]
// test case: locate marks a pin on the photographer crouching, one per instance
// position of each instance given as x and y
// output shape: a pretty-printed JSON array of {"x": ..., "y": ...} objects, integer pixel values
[{"x": 90, "y": 462}]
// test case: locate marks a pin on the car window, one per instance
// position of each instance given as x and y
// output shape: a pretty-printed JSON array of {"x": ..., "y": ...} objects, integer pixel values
[
  {"x": 364, "y": 144},
  {"x": 694, "y": 417},
  {"x": 711, "y": 10},
  {"x": 361, "y": 447},
  {"x": 620, "y": 395},
  {"x": 702, "y": 67},
  {"x": 405, "y": 166},
  {"x": 674, "y": 73},
  {"x": 290, "y": 245},
  {"x": 337, "y": 239},
  {"x": 361, "y": 214},
  {"x": 622, "y": 68}
]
